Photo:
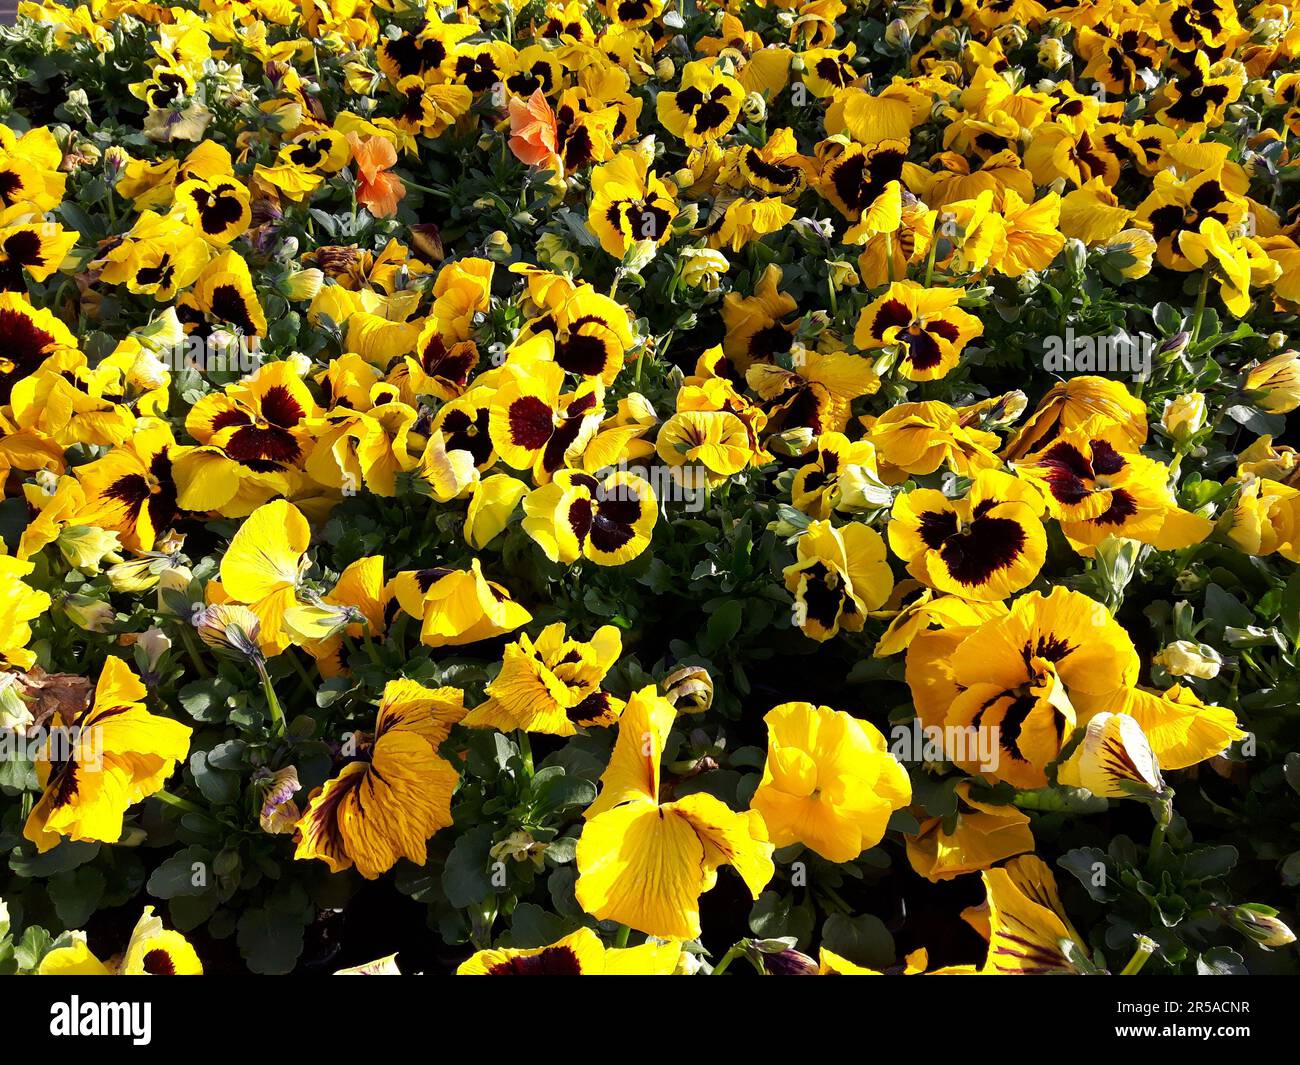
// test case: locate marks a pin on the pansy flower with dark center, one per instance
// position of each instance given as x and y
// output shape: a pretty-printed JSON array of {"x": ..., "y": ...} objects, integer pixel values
[
  {"x": 261, "y": 422},
  {"x": 1062, "y": 150},
  {"x": 223, "y": 295},
  {"x": 816, "y": 489},
  {"x": 817, "y": 394},
  {"x": 632, "y": 14},
  {"x": 985, "y": 546},
  {"x": 163, "y": 256},
  {"x": 390, "y": 801},
  {"x": 630, "y": 204},
  {"x": 1201, "y": 96},
  {"x": 1096, "y": 490},
  {"x": 776, "y": 168},
  {"x": 32, "y": 249},
  {"x": 828, "y": 70},
  {"x": 839, "y": 574},
  {"x": 165, "y": 88},
  {"x": 565, "y": 22},
  {"x": 456, "y": 606},
  {"x": 28, "y": 336},
  {"x": 1028, "y": 723},
  {"x": 430, "y": 108},
  {"x": 579, "y": 515},
  {"x": 480, "y": 66},
  {"x": 759, "y": 327},
  {"x": 438, "y": 368},
  {"x": 1022, "y": 673},
  {"x": 856, "y": 176},
  {"x": 533, "y": 426},
  {"x": 302, "y": 164},
  {"x": 1200, "y": 27},
  {"x": 534, "y": 67},
  {"x": 552, "y": 684},
  {"x": 704, "y": 107},
  {"x": 1176, "y": 206},
  {"x": 131, "y": 490},
  {"x": 217, "y": 207},
  {"x": 1123, "y": 58},
  {"x": 589, "y": 335},
  {"x": 20, "y": 181},
  {"x": 584, "y": 130},
  {"x": 579, "y": 954},
  {"x": 420, "y": 54},
  {"x": 465, "y": 423},
  {"x": 926, "y": 325},
  {"x": 117, "y": 754}
]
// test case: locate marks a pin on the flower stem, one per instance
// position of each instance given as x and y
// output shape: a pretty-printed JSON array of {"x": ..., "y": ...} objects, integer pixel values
[
  {"x": 727, "y": 959},
  {"x": 178, "y": 803},
  {"x": 525, "y": 752},
  {"x": 1200, "y": 305},
  {"x": 277, "y": 712},
  {"x": 1145, "y": 948},
  {"x": 620, "y": 940},
  {"x": 192, "y": 649}
]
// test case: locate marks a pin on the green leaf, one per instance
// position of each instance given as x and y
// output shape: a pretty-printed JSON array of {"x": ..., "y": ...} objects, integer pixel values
[
  {"x": 270, "y": 940},
  {"x": 1090, "y": 867},
  {"x": 863, "y": 940},
  {"x": 76, "y": 894},
  {"x": 219, "y": 786},
  {"x": 207, "y": 699},
  {"x": 724, "y": 623},
  {"x": 187, "y": 872},
  {"x": 532, "y": 926},
  {"x": 466, "y": 878},
  {"x": 67, "y": 855},
  {"x": 1221, "y": 961},
  {"x": 553, "y": 790}
]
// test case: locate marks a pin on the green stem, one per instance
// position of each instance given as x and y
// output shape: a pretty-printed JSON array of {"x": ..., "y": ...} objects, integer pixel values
[
  {"x": 1145, "y": 948},
  {"x": 1200, "y": 306},
  {"x": 443, "y": 193},
  {"x": 192, "y": 649},
  {"x": 1158, "y": 833},
  {"x": 178, "y": 803},
  {"x": 525, "y": 752},
  {"x": 277, "y": 712},
  {"x": 620, "y": 940},
  {"x": 929, "y": 262},
  {"x": 727, "y": 959}
]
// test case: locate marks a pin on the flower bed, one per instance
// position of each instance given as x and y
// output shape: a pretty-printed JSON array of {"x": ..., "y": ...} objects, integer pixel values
[{"x": 649, "y": 488}]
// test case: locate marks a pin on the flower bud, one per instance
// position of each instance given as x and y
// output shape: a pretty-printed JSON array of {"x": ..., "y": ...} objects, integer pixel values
[
  {"x": 703, "y": 268},
  {"x": 897, "y": 35},
  {"x": 1256, "y": 922},
  {"x": 1114, "y": 760},
  {"x": 1278, "y": 382},
  {"x": 303, "y": 284},
  {"x": 86, "y": 612},
  {"x": 274, "y": 792},
  {"x": 1052, "y": 53},
  {"x": 85, "y": 547},
  {"x": 497, "y": 247},
  {"x": 1183, "y": 658},
  {"x": 690, "y": 689},
  {"x": 755, "y": 107},
  {"x": 1184, "y": 416}
]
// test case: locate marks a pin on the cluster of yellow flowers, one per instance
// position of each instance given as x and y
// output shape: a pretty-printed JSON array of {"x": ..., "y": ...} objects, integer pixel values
[{"x": 573, "y": 371}]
